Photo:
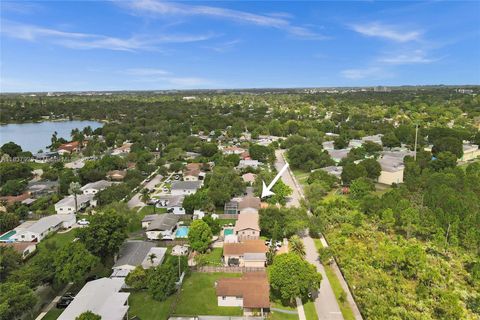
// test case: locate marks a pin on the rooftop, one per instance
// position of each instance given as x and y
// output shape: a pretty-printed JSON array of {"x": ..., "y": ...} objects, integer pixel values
[
  {"x": 102, "y": 297},
  {"x": 163, "y": 222},
  {"x": 253, "y": 287},
  {"x": 247, "y": 246},
  {"x": 247, "y": 221},
  {"x": 186, "y": 185},
  {"x": 133, "y": 253},
  {"x": 249, "y": 202},
  {"x": 97, "y": 185}
]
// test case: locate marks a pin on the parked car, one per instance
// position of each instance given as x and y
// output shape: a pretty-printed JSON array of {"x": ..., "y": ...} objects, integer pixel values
[
  {"x": 64, "y": 302},
  {"x": 83, "y": 222},
  {"x": 165, "y": 189}
]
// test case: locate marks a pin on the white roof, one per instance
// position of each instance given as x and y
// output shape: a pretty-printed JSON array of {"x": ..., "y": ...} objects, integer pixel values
[
  {"x": 97, "y": 185},
  {"x": 101, "y": 297},
  {"x": 159, "y": 253},
  {"x": 70, "y": 200},
  {"x": 47, "y": 222}
]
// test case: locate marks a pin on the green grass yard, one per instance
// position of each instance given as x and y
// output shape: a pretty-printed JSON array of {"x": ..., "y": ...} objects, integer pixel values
[
  {"x": 197, "y": 296},
  {"x": 214, "y": 257},
  {"x": 310, "y": 312},
  {"x": 60, "y": 239},
  {"x": 53, "y": 314},
  {"x": 145, "y": 307}
]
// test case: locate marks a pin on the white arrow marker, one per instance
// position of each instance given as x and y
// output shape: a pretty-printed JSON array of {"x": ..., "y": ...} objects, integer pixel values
[{"x": 266, "y": 190}]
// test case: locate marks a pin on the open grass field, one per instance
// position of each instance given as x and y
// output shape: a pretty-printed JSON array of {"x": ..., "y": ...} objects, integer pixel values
[{"x": 197, "y": 296}]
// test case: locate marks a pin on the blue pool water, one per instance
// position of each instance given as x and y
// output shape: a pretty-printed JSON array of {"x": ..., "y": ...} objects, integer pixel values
[
  {"x": 228, "y": 231},
  {"x": 182, "y": 232},
  {"x": 6, "y": 236}
]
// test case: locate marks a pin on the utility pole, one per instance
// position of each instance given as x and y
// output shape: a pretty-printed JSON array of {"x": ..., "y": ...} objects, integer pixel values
[{"x": 416, "y": 138}]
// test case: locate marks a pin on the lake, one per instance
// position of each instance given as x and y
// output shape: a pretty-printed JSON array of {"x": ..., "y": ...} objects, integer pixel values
[{"x": 35, "y": 136}]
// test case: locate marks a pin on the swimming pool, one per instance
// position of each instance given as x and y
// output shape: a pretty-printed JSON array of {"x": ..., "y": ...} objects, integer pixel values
[
  {"x": 227, "y": 231},
  {"x": 6, "y": 236},
  {"x": 182, "y": 232}
]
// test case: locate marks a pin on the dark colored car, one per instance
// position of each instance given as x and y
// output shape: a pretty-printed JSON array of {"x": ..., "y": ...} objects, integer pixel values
[{"x": 64, "y": 302}]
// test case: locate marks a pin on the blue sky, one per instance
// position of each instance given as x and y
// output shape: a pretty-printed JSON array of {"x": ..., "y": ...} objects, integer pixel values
[{"x": 155, "y": 44}]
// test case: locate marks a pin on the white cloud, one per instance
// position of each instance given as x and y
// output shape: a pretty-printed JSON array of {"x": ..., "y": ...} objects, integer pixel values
[
  {"x": 76, "y": 40},
  {"x": 146, "y": 72},
  {"x": 413, "y": 57},
  {"x": 373, "y": 73},
  {"x": 165, "y": 78},
  {"x": 225, "y": 46},
  {"x": 389, "y": 32},
  {"x": 281, "y": 22}
]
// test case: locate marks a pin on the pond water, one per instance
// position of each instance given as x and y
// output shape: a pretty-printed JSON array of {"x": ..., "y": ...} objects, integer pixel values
[{"x": 35, "y": 136}]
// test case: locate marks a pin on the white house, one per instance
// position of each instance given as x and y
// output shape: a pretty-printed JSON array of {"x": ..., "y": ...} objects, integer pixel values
[
  {"x": 392, "y": 166},
  {"x": 35, "y": 231},
  {"x": 233, "y": 150},
  {"x": 185, "y": 187},
  {"x": 470, "y": 152},
  {"x": 173, "y": 204},
  {"x": 67, "y": 204},
  {"x": 249, "y": 163},
  {"x": 163, "y": 227},
  {"x": 102, "y": 297},
  {"x": 125, "y": 148},
  {"x": 95, "y": 187}
]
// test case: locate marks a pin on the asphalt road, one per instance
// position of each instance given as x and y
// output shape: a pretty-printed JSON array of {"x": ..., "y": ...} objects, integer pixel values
[
  {"x": 325, "y": 302},
  {"x": 136, "y": 200}
]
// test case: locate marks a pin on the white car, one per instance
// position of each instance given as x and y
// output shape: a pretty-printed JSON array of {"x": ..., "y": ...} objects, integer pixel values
[
  {"x": 83, "y": 222},
  {"x": 165, "y": 189}
]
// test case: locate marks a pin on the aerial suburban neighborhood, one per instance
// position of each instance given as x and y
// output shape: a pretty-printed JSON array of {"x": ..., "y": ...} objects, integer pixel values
[{"x": 239, "y": 160}]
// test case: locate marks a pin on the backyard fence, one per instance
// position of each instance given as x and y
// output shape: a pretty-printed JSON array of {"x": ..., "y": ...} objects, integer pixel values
[
  {"x": 211, "y": 269},
  {"x": 227, "y": 216},
  {"x": 166, "y": 243}
]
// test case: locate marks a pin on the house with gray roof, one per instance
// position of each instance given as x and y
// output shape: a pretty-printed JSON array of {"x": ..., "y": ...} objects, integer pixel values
[
  {"x": 95, "y": 187},
  {"x": 36, "y": 231},
  {"x": 163, "y": 227},
  {"x": 333, "y": 170},
  {"x": 67, "y": 204},
  {"x": 180, "y": 188},
  {"x": 134, "y": 253},
  {"x": 338, "y": 154},
  {"x": 173, "y": 203}
]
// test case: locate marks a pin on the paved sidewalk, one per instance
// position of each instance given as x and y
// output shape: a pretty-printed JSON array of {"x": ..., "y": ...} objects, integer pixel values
[
  {"x": 301, "y": 311},
  {"x": 54, "y": 302}
]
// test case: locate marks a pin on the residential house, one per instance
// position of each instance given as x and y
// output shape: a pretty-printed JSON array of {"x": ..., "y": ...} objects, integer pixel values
[
  {"x": 328, "y": 145},
  {"x": 249, "y": 203},
  {"x": 35, "y": 231},
  {"x": 185, "y": 187},
  {"x": 247, "y": 226},
  {"x": 249, "y": 178},
  {"x": 95, "y": 187},
  {"x": 392, "y": 166},
  {"x": 102, "y": 297},
  {"x": 333, "y": 170},
  {"x": 124, "y": 149},
  {"x": 67, "y": 204},
  {"x": 470, "y": 152},
  {"x": 375, "y": 138},
  {"x": 233, "y": 150},
  {"x": 192, "y": 175},
  {"x": 355, "y": 143},
  {"x": 134, "y": 253},
  {"x": 173, "y": 204},
  {"x": 69, "y": 147},
  {"x": 163, "y": 227},
  {"x": 248, "y": 253},
  {"x": 40, "y": 188},
  {"x": 148, "y": 219},
  {"x": 44, "y": 157},
  {"x": 250, "y": 292},
  {"x": 243, "y": 164},
  {"x": 22, "y": 248},
  {"x": 338, "y": 154},
  {"x": 116, "y": 175}
]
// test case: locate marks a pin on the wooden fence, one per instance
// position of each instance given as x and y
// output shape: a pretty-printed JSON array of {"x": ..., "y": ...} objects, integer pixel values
[{"x": 211, "y": 269}]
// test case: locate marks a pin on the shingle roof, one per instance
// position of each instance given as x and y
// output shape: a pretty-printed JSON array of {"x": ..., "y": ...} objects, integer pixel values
[
  {"x": 182, "y": 185},
  {"x": 247, "y": 246},
  {"x": 249, "y": 202},
  {"x": 163, "y": 222},
  {"x": 252, "y": 286},
  {"x": 70, "y": 200},
  {"x": 133, "y": 253},
  {"x": 247, "y": 221}
]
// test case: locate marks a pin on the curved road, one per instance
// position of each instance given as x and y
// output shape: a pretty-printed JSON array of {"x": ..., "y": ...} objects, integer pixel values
[{"x": 325, "y": 302}]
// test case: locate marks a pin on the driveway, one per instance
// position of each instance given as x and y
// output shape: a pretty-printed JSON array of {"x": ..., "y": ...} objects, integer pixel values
[
  {"x": 325, "y": 302},
  {"x": 136, "y": 200}
]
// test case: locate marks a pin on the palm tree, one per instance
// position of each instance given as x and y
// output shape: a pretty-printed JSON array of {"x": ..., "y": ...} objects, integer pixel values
[
  {"x": 74, "y": 189},
  {"x": 296, "y": 246},
  {"x": 152, "y": 257}
]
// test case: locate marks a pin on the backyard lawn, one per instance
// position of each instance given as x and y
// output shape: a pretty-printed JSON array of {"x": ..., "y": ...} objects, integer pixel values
[
  {"x": 60, "y": 239},
  {"x": 197, "y": 296},
  {"x": 145, "y": 307},
  {"x": 213, "y": 258},
  {"x": 310, "y": 311},
  {"x": 277, "y": 315}
]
